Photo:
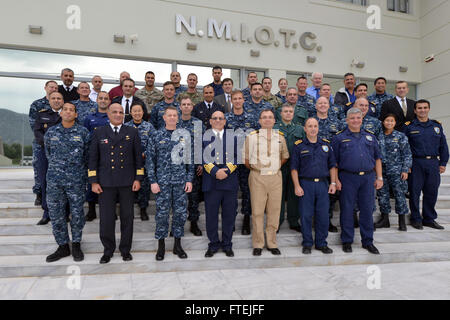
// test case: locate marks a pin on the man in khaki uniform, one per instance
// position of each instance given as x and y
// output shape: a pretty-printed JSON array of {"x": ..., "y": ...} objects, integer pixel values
[
  {"x": 264, "y": 153},
  {"x": 149, "y": 94}
]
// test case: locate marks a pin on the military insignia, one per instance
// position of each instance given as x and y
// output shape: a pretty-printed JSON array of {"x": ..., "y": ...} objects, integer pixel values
[
  {"x": 348, "y": 104},
  {"x": 304, "y": 151},
  {"x": 370, "y": 132},
  {"x": 105, "y": 141},
  {"x": 76, "y": 138},
  {"x": 54, "y": 139},
  {"x": 437, "y": 130},
  {"x": 247, "y": 125},
  {"x": 394, "y": 140},
  {"x": 407, "y": 123},
  {"x": 438, "y": 122},
  {"x": 127, "y": 137},
  {"x": 326, "y": 140},
  {"x": 415, "y": 132},
  {"x": 325, "y": 148},
  {"x": 369, "y": 138},
  {"x": 45, "y": 126},
  {"x": 298, "y": 142},
  {"x": 346, "y": 140},
  {"x": 162, "y": 141}
]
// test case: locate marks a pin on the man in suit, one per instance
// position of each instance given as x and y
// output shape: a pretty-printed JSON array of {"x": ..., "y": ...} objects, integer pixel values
[
  {"x": 225, "y": 99},
  {"x": 205, "y": 109},
  {"x": 115, "y": 171},
  {"x": 117, "y": 91},
  {"x": 220, "y": 185},
  {"x": 67, "y": 89},
  {"x": 128, "y": 100},
  {"x": 402, "y": 107}
]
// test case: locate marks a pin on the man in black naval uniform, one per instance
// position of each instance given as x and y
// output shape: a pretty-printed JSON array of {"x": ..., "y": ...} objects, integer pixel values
[{"x": 115, "y": 171}]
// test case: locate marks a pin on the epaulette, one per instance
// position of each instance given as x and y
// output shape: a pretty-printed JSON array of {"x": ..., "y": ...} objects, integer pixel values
[
  {"x": 373, "y": 103},
  {"x": 327, "y": 141},
  {"x": 348, "y": 104},
  {"x": 298, "y": 142},
  {"x": 339, "y": 132},
  {"x": 370, "y": 132},
  {"x": 407, "y": 123},
  {"x": 280, "y": 132},
  {"x": 42, "y": 110},
  {"x": 253, "y": 132},
  {"x": 438, "y": 122}
]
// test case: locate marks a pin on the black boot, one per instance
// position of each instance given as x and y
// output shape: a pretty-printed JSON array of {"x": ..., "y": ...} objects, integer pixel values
[
  {"x": 195, "y": 229},
  {"x": 355, "y": 219},
  {"x": 38, "y": 200},
  {"x": 401, "y": 222},
  {"x": 246, "y": 225},
  {"x": 178, "y": 250},
  {"x": 383, "y": 222},
  {"x": 161, "y": 250},
  {"x": 144, "y": 216},
  {"x": 77, "y": 254},
  {"x": 91, "y": 215},
  {"x": 61, "y": 252}
]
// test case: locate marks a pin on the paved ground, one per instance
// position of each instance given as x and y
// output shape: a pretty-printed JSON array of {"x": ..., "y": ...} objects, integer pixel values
[{"x": 427, "y": 280}]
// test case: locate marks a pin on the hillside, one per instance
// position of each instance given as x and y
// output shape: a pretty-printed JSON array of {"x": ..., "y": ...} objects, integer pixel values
[{"x": 13, "y": 126}]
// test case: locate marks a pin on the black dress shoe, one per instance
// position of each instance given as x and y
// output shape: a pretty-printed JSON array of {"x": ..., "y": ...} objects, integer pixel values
[
  {"x": 433, "y": 225},
  {"x": 229, "y": 253},
  {"x": 257, "y": 252},
  {"x": 274, "y": 251},
  {"x": 43, "y": 221},
  {"x": 417, "y": 225},
  {"x": 209, "y": 253},
  {"x": 127, "y": 257},
  {"x": 332, "y": 228},
  {"x": 246, "y": 226},
  {"x": 105, "y": 259},
  {"x": 38, "y": 200},
  {"x": 296, "y": 228},
  {"x": 61, "y": 252},
  {"x": 306, "y": 250},
  {"x": 325, "y": 249},
  {"x": 144, "y": 215},
  {"x": 347, "y": 247},
  {"x": 371, "y": 248},
  {"x": 195, "y": 229}
]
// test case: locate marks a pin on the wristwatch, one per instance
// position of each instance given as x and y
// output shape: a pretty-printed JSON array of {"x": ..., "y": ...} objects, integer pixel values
[
  {"x": 380, "y": 178},
  {"x": 333, "y": 183}
]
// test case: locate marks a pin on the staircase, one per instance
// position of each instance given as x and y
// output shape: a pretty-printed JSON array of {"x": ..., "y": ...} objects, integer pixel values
[{"x": 24, "y": 245}]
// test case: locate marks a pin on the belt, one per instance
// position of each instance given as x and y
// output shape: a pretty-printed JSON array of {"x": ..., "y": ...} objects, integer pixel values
[
  {"x": 360, "y": 173},
  {"x": 426, "y": 157},
  {"x": 314, "y": 179}
]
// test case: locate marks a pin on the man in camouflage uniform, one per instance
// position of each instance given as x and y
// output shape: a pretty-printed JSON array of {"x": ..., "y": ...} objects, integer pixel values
[
  {"x": 149, "y": 94},
  {"x": 85, "y": 106},
  {"x": 175, "y": 77},
  {"x": 239, "y": 119},
  {"x": 291, "y": 133},
  {"x": 305, "y": 100},
  {"x": 66, "y": 148},
  {"x": 196, "y": 129},
  {"x": 156, "y": 115},
  {"x": 35, "y": 107},
  {"x": 170, "y": 181},
  {"x": 256, "y": 104},
  {"x": 380, "y": 95},
  {"x": 191, "y": 91},
  {"x": 300, "y": 113},
  {"x": 268, "y": 96},
  {"x": 252, "y": 78}
]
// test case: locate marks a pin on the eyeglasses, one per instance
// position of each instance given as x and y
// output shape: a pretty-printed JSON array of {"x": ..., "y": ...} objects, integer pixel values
[{"x": 217, "y": 118}]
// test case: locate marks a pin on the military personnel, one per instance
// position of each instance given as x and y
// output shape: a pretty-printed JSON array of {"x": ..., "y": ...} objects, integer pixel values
[
  {"x": 239, "y": 119},
  {"x": 175, "y": 78},
  {"x": 264, "y": 154},
  {"x": 282, "y": 85},
  {"x": 217, "y": 82},
  {"x": 146, "y": 130},
  {"x": 170, "y": 179},
  {"x": 268, "y": 96},
  {"x": 196, "y": 129},
  {"x": 149, "y": 94},
  {"x": 336, "y": 110},
  {"x": 256, "y": 104},
  {"x": 115, "y": 171},
  {"x": 396, "y": 165},
  {"x": 300, "y": 113},
  {"x": 93, "y": 121},
  {"x": 347, "y": 93},
  {"x": 252, "y": 78},
  {"x": 67, "y": 89},
  {"x": 312, "y": 164},
  {"x": 361, "y": 92},
  {"x": 35, "y": 107},
  {"x": 66, "y": 148},
  {"x": 220, "y": 184},
  {"x": 305, "y": 100},
  {"x": 85, "y": 106},
  {"x": 291, "y": 133},
  {"x": 358, "y": 159},
  {"x": 380, "y": 95},
  {"x": 97, "y": 84},
  {"x": 46, "y": 118},
  {"x": 191, "y": 91},
  {"x": 430, "y": 156},
  {"x": 156, "y": 115}
]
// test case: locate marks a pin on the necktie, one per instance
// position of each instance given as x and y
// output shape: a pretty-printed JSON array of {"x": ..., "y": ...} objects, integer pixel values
[
  {"x": 127, "y": 107},
  {"x": 209, "y": 106},
  {"x": 404, "y": 107},
  {"x": 67, "y": 89},
  {"x": 317, "y": 93},
  {"x": 115, "y": 131}
]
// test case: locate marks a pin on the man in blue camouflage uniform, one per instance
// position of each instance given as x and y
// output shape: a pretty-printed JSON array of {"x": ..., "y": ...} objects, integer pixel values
[
  {"x": 146, "y": 130},
  {"x": 93, "y": 121},
  {"x": 300, "y": 113},
  {"x": 85, "y": 106},
  {"x": 252, "y": 78},
  {"x": 361, "y": 92},
  {"x": 169, "y": 180},
  {"x": 305, "y": 100},
  {"x": 396, "y": 165},
  {"x": 430, "y": 156},
  {"x": 256, "y": 104},
  {"x": 66, "y": 148},
  {"x": 175, "y": 77},
  {"x": 196, "y": 129},
  {"x": 156, "y": 115},
  {"x": 380, "y": 95},
  {"x": 291, "y": 133},
  {"x": 239, "y": 119},
  {"x": 36, "y": 106}
]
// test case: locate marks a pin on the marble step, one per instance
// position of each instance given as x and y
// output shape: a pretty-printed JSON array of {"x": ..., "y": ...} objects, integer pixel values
[
  {"x": 35, "y": 265},
  {"x": 145, "y": 241}
]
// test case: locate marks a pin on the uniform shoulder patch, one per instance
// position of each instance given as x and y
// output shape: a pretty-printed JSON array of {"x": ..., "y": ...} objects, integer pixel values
[
  {"x": 407, "y": 123},
  {"x": 438, "y": 122},
  {"x": 298, "y": 142},
  {"x": 280, "y": 132},
  {"x": 326, "y": 140}
]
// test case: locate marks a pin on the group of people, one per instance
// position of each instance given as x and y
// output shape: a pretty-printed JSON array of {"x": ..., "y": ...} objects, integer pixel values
[{"x": 298, "y": 151}]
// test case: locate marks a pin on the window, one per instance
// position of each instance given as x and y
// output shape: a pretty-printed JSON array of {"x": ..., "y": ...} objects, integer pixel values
[
  {"x": 359, "y": 2},
  {"x": 398, "y": 5},
  {"x": 204, "y": 74}
]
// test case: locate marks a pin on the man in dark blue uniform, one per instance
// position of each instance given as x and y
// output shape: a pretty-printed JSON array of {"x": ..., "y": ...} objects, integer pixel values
[
  {"x": 430, "y": 156},
  {"x": 357, "y": 155},
  {"x": 115, "y": 170},
  {"x": 220, "y": 185}
]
